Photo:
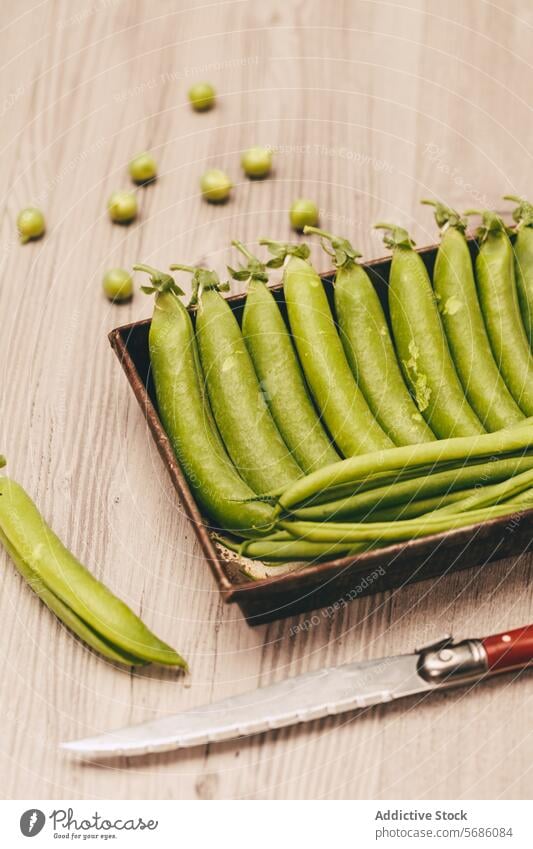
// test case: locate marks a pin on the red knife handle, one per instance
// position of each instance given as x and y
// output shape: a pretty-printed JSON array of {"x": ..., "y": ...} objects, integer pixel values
[{"x": 509, "y": 649}]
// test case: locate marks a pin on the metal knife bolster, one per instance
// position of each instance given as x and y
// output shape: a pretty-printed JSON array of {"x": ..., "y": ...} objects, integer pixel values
[{"x": 446, "y": 662}]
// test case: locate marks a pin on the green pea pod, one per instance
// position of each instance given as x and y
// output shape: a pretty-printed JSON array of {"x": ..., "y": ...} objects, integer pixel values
[
  {"x": 383, "y": 533},
  {"x": 46, "y": 557},
  {"x": 368, "y": 346},
  {"x": 269, "y": 343},
  {"x": 420, "y": 507},
  {"x": 496, "y": 285},
  {"x": 237, "y": 399},
  {"x": 523, "y": 255},
  {"x": 297, "y": 549},
  {"x": 435, "y": 455},
  {"x": 400, "y": 492},
  {"x": 455, "y": 289},
  {"x": 337, "y": 396},
  {"x": 67, "y": 616},
  {"x": 187, "y": 418},
  {"x": 421, "y": 344}
]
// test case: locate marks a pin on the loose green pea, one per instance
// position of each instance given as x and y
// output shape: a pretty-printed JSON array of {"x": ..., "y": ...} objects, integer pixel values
[
  {"x": 117, "y": 285},
  {"x": 202, "y": 96},
  {"x": 303, "y": 212},
  {"x": 215, "y": 185},
  {"x": 122, "y": 207},
  {"x": 143, "y": 168},
  {"x": 31, "y": 224},
  {"x": 257, "y": 162}
]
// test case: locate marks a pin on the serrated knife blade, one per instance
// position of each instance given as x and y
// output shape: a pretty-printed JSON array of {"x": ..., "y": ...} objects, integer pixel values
[{"x": 317, "y": 694}]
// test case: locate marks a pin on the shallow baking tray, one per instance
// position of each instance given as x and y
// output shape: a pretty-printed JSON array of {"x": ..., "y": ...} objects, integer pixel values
[{"x": 337, "y": 581}]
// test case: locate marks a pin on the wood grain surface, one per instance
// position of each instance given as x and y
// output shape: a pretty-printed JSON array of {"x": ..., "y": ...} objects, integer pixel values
[{"x": 371, "y": 105}]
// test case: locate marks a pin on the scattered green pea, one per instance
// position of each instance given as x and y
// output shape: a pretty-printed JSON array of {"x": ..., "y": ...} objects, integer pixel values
[
  {"x": 117, "y": 285},
  {"x": 257, "y": 161},
  {"x": 202, "y": 96},
  {"x": 303, "y": 212},
  {"x": 143, "y": 168},
  {"x": 31, "y": 224},
  {"x": 215, "y": 185},
  {"x": 122, "y": 207}
]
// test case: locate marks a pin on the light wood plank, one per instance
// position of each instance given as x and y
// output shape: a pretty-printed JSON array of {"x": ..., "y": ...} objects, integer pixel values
[{"x": 371, "y": 105}]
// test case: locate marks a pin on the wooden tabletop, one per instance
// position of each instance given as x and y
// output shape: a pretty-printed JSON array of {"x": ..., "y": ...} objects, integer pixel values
[{"x": 370, "y": 106}]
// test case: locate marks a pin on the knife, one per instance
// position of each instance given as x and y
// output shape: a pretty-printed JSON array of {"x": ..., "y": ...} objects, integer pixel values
[{"x": 434, "y": 666}]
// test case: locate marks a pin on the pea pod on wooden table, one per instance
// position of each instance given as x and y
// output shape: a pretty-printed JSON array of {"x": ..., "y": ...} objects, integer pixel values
[
  {"x": 84, "y": 604},
  {"x": 523, "y": 255},
  {"x": 368, "y": 346},
  {"x": 268, "y": 340},
  {"x": 455, "y": 288},
  {"x": 495, "y": 278},
  {"x": 187, "y": 418},
  {"x": 242, "y": 416},
  {"x": 340, "y": 401},
  {"x": 421, "y": 344}
]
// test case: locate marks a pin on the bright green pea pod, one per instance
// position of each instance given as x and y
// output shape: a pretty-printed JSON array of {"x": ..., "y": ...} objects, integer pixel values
[
  {"x": 387, "y": 532},
  {"x": 429, "y": 456},
  {"x": 421, "y": 344},
  {"x": 368, "y": 346},
  {"x": 455, "y": 289},
  {"x": 269, "y": 343},
  {"x": 400, "y": 491},
  {"x": 340, "y": 401},
  {"x": 44, "y": 555},
  {"x": 67, "y": 616},
  {"x": 498, "y": 296},
  {"x": 523, "y": 255},
  {"x": 187, "y": 418},
  {"x": 237, "y": 399}
]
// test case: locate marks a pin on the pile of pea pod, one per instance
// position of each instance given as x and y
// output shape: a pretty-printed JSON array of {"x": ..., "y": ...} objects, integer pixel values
[{"x": 314, "y": 429}]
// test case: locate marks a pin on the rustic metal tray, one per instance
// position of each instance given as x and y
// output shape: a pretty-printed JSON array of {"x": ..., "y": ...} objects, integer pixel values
[{"x": 337, "y": 581}]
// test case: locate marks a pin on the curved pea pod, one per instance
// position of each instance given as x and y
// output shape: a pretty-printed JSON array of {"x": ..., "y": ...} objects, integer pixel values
[
  {"x": 276, "y": 364},
  {"x": 430, "y": 456},
  {"x": 368, "y": 346},
  {"x": 523, "y": 255},
  {"x": 340, "y": 401},
  {"x": 421, "y": 344},
  {"x": 67, "y": 616},
  {"x": 455, "y": 289},
  {"x": 241, "y": 413},
  {"x": 40, "y": 553},
  {"x": 187, "y": 418},
  {"x": 495, "y": 278}
]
